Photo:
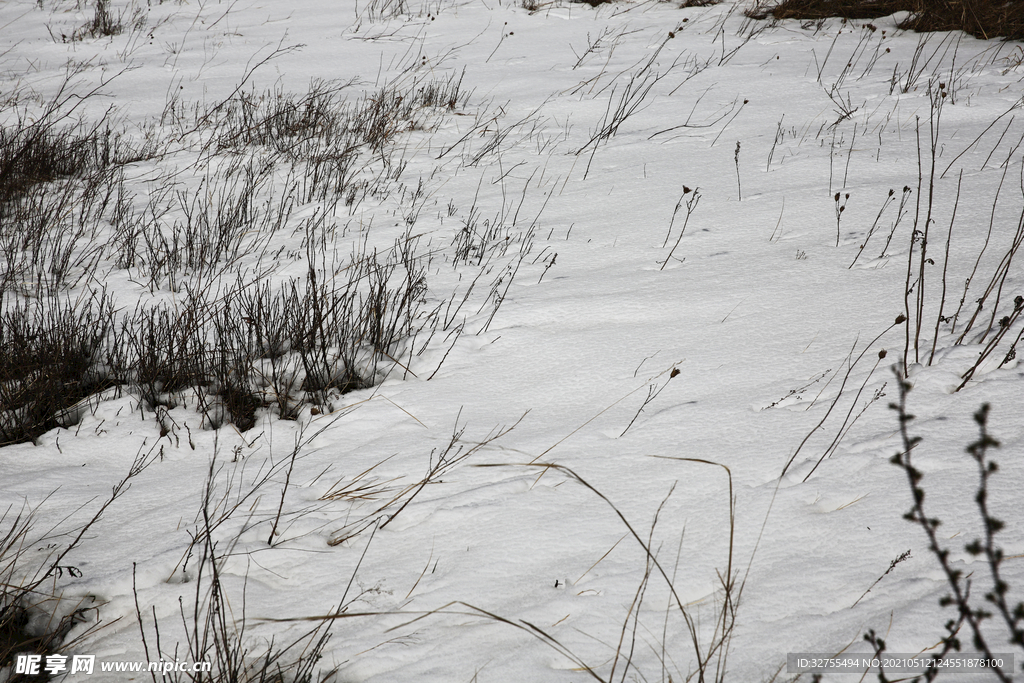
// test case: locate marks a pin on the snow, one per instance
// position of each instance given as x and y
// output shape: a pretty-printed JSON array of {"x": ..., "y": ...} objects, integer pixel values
[{"x": 758, "y": 311}]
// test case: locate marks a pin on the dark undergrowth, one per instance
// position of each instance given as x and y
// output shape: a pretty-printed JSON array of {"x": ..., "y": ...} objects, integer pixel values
[
  {"x": 229, "y": 356},
  {"x": 980, "y": 18}
]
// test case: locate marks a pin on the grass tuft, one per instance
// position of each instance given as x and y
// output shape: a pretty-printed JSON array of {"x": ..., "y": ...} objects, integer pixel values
[{"x": 52, "y": 359}]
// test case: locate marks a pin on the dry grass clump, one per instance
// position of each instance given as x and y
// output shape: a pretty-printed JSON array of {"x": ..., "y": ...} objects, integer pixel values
[
  {"x": 40, "y": 153},
  {"x": 50, "y": 363},
  {"x": 251, "y": 348},
  {"x": 981, "y": 18},
  {"x": 103, "y": 23}
]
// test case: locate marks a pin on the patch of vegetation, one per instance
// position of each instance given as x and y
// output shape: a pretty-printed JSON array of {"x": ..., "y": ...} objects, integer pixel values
[
  {"x": 980, "y": 18},
  {"x": 51, "y": 361},
  {"x": 229, "y": 342}
]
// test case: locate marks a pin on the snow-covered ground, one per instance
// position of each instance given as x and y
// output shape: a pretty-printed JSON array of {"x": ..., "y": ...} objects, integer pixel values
[{"x": 593, "y": 134}]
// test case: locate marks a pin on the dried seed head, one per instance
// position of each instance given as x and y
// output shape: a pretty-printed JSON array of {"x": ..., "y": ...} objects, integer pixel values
[
  {"x": 881, "y": 354},
  {"x": 900, "y": 319},
  {"x": 837, "y": 196},
  {"x": 675, "y": 371}
]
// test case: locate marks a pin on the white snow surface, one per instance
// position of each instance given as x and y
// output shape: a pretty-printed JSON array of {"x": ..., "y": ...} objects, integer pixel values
[{"x": 756, "y": 304}]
